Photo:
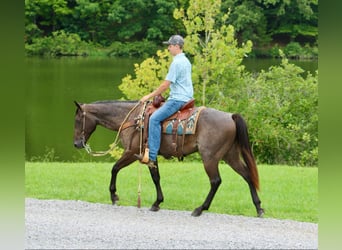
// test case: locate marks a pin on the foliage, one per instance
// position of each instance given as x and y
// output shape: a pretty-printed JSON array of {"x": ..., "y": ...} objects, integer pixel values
[
  {"x": 116, "y": 153},
  {"x": 280, "y": 105},
  {"x": 217, "y": 58},
  {"x": 89, "y": 182},
  {"x": 264, "y": 22},
  {"x": 60, "y": 43},
  {"x": 148, "y": 76},
  {"x": 295, "y": 50},
  {"x": 141, "y": 49},
  {"x": 216, "y": 55},
  {"x": 101, "y": 22},
  {"x": 49, "y": 156}
]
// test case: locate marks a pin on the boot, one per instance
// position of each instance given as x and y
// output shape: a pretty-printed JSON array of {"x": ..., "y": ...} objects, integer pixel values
[
  {"x": 143, "y": 158},
  {"x": 148, "y": 162}
]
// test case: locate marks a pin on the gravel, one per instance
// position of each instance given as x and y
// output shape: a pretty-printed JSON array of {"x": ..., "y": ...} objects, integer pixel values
[{"x": 59, "y": 224}]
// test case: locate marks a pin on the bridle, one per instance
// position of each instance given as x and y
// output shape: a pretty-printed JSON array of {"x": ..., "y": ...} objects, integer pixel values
[
  {"x": 125, "y": 124},
  {"x": 85, "y": 145}
]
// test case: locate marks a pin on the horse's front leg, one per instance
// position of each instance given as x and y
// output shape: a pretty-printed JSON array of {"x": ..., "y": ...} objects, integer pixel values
[
  {"x": 156, "y": 180},
  {"x": 126, "y": 159}
]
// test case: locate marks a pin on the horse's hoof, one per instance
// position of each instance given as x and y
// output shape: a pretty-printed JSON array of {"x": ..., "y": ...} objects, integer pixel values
[
  {"x": 154, "y": 208},
  {"x": 261, "y": 213},
  {"x": 114, "y": 199},
  {"x": 197, "y": 212}
]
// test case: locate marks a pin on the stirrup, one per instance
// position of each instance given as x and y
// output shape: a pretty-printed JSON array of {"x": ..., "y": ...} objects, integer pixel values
[{"x": 143, "y": 158}]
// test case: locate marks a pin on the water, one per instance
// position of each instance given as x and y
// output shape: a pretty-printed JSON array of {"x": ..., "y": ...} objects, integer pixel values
[
  {"x": 255, "y": 65},
  {"x": 53, "y": 85}
]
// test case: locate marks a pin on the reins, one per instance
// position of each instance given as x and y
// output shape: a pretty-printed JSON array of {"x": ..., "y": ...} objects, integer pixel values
[{"x": 114, "y": 144}]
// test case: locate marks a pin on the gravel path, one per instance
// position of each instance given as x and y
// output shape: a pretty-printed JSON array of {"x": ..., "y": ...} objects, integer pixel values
[{"x": 57, "y": 224}]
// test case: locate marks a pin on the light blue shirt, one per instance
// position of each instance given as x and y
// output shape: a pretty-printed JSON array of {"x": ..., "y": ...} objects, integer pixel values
[{"x": 179, "y": 75}]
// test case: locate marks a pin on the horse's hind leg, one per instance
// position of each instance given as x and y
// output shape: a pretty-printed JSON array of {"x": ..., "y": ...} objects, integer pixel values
[
  {"x": 233, "y": 159},
  {"x": 211, "y": 167},
  {"x": 156, "y": 180}
]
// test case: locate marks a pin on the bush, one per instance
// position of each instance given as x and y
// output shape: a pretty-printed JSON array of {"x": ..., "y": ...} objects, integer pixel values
[
  {"x": 59, "y": 44},
  {"x": 296, "y": 51},
  {"x": 282, "y": 112},
  {"x": 280, "y": 105},
  {"x": 134, "y": 49},
  {"x": 293, "y": 50}
]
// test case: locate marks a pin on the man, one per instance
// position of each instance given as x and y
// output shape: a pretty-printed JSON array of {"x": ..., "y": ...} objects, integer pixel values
[{"x": 178, "y": 79}]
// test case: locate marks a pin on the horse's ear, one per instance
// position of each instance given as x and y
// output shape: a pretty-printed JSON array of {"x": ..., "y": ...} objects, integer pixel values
[{"x": 78, "y": 105}]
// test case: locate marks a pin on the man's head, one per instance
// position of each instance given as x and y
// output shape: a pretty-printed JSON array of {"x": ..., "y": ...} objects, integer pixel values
[{"x": 175, "y": 40}]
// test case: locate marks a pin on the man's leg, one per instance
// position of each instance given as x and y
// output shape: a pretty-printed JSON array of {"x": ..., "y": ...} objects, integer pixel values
[{"x": 154, "y": 131}]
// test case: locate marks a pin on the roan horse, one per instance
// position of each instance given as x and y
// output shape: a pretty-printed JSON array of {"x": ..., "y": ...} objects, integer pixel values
[{"x": 218, "y": 136}]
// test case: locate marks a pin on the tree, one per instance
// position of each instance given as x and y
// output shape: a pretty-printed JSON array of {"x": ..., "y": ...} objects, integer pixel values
[
  {"x": 45, "y": 16},
  {"x": 282, "y": 109},
  {"x": 280, "y": 104},
  {"x": 292, "y": 20},
  {"x": 216, "y": 55},
  {"x": 148, "y": 76},
  {"x": 214, "y": 51}
]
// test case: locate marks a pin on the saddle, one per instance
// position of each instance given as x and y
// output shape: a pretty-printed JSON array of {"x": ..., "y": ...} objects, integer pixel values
[{"x": 186, "y": 111}]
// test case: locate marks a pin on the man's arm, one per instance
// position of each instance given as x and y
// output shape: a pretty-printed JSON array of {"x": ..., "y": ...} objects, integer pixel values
[{"x": 162, "y": 87}]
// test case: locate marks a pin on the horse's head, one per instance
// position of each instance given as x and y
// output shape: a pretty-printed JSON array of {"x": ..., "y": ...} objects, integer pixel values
[{"x": 85, "y": 124}]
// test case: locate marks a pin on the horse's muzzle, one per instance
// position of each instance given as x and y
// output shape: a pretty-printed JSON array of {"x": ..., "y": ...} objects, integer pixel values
[{"x": 78, "y": 144}]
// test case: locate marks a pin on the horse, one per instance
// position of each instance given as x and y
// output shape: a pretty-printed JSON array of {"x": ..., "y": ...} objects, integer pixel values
[{"x": 219, "y": 136}]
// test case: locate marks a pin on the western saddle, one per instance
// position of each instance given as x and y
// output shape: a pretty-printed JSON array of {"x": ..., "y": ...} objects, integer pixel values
[{"x": 185, "y": 112}]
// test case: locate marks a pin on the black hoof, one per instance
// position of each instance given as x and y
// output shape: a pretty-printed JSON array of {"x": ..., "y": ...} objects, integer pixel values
[
  {"x": 114, "y": 199},
  {"x": 261, "y": 213},
  {"x": 197, "y": 212},
  {"x": 154, "y": 208}
]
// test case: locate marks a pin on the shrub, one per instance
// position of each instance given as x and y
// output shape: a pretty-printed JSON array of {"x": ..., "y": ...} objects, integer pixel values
[
  {"x": 293, "y": 50},
  {"x": 134, "y": 49},
  {"x": 59, "y": 44},
  {"x": 282, "y": 112},
  {"x": 280, "y": 105}
]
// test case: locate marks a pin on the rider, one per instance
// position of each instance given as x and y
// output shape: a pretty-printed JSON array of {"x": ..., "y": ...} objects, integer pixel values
[{"x": 178, "y": 79}]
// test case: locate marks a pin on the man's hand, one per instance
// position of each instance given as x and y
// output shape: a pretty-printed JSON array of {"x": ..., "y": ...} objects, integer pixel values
[
  {"x": 163, "y": 86},
  {"x": 144, "y": 98}
]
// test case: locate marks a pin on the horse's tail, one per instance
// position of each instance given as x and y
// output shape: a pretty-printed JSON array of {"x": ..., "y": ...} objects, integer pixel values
[{"x": 242, "y": 139}]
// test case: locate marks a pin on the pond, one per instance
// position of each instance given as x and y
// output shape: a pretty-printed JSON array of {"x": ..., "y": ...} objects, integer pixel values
[{"x": 53, "y": 85}]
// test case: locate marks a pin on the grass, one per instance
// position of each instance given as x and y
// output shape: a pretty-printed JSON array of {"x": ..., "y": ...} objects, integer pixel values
[{"x": 286, "y": 192}]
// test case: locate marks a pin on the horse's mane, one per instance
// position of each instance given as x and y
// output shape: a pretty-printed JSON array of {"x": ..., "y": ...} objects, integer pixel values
[{"x": 112, "y": 101}]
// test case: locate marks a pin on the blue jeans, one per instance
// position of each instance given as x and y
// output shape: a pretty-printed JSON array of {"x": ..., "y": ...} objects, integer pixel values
[{"x": 154, "y": 129}]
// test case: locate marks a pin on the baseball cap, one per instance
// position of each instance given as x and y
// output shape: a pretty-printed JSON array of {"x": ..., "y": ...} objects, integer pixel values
[{"x": 175, "y": 39}]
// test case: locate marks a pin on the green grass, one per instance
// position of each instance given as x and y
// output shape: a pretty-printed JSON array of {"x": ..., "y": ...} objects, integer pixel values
[{"x": 286, "y": 192}]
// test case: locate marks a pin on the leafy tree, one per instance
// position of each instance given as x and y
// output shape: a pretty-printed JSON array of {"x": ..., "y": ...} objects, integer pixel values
[
  {"x": 148, "y": 76},
  {"x": 45, "y": 16},
  {"x": 282, "y": 21},
  {"x": 280, "y": 104},
  {"x": 87, "y": 15},
  {"x": 282, "y": 112},
  {"x": 216, "y": 55},
  {"x": 60, "y": 43},
  {"x": 104, "y": 22},
  {"x": 249, "y": 21},
  {"x": 292, "y": 20}
]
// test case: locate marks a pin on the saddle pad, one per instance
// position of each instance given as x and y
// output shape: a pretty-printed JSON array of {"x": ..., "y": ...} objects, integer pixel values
[{"x": 186, "y": 126}]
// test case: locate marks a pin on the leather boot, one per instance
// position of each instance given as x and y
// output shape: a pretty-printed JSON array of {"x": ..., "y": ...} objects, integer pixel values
[{"x": 150, "y": 163}]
